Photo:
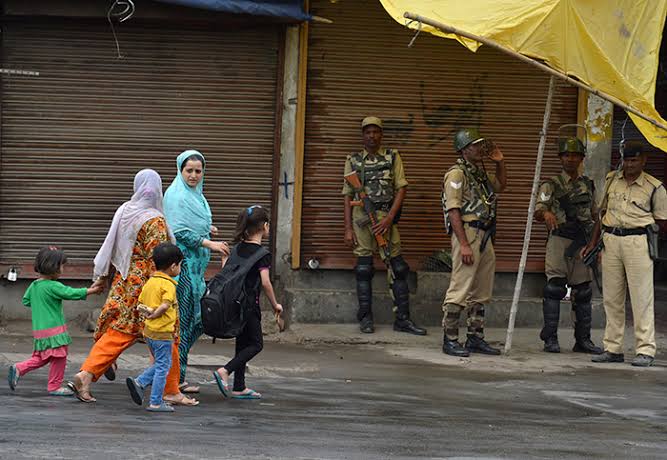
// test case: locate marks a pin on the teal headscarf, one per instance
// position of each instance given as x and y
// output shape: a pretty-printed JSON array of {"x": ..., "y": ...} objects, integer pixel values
[{"x": 185, "y": 207}]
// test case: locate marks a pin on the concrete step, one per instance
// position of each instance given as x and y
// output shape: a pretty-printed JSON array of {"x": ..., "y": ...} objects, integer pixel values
[{"x": 340, "y": 306}]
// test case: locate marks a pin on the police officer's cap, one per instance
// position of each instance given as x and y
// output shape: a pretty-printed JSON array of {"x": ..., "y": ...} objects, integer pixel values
[
  {"x": 571, "y": 145},
  {"x": 465, "y": 137},
  {"x": 371, "y": 121},
  {"x": 632, "y": 149}
]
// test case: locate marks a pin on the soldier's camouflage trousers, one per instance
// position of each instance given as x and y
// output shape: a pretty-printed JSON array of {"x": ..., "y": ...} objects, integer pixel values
[{"x": 475, "y": 322}]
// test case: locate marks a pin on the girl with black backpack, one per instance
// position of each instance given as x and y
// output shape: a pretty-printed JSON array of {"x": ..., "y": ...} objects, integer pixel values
[{"x": 252, "y": 226}]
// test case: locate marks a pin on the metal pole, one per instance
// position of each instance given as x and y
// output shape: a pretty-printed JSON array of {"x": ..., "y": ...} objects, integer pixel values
[
  {"x": 554, "y": 73},
  {"x": 531, "y": 212}
]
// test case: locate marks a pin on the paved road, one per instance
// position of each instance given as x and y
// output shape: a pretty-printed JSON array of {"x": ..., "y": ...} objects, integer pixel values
[{"x": 350, "y": 402}]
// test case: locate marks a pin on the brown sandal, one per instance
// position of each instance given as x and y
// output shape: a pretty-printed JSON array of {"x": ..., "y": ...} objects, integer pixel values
[
  {"x": 185, "y": 387},
  {"x": 82, "y": 395},
  {"x": 182, "y": 401}
]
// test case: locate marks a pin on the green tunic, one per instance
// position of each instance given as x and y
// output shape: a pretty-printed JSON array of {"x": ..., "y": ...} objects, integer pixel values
[{"x": 48, "y": 320}]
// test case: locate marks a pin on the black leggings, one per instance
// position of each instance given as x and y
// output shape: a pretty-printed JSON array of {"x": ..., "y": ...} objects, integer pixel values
[{"x": 248, "y": 344}]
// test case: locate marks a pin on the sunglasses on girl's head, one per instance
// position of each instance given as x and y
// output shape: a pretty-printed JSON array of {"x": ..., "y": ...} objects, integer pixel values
[{"x": 252, "y": 208}]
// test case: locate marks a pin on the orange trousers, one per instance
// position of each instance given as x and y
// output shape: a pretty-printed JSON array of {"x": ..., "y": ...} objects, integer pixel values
[{"x": 110, "y": 346}]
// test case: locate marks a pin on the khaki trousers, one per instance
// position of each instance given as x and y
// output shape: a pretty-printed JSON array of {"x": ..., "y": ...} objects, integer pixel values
[
  {"x": 471, "y": 286},
  {"x": 627, "y": 265}
]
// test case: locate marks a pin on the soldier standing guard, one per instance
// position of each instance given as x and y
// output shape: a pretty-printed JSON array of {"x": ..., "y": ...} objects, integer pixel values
[
  {"x": 469, "y": 204},
  {"x": 381, "y": 173},
  {"x": 566, "y": 204},
  {"x": 632, "y": 203}
]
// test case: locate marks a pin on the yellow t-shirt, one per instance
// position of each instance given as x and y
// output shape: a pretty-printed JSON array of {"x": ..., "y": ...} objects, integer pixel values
[{"x": 159, "y": 289}]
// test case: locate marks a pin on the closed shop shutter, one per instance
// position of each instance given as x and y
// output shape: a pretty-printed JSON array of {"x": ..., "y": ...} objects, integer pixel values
[
  {"x": 73, "y": 138},
  {"x": 360, "y": 65}
]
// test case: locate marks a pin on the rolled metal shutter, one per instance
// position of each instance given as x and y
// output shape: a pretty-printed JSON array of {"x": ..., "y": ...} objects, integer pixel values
[
  {"x": 360, "y": 65},
  {"x": 73, "y": 138}
]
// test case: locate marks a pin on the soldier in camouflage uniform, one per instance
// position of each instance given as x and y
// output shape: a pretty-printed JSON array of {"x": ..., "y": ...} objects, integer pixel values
[
  {"x": 566, "y": 204},
  {"x": 381, "y": 173},
  {"x": 469, "y": 204}
]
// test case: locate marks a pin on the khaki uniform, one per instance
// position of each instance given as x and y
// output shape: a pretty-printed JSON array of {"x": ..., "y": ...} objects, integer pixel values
[
  {"x": 580, "y": 193},
  {"x": 469, "y": 189},
  {"x": 383, "y": 176},
  {"x": 625, "y": 259}
]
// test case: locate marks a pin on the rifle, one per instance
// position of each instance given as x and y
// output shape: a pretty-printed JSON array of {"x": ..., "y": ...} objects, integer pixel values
[
  {"x": 369, "y": 209},
  {"x": 591, "y": 260}
]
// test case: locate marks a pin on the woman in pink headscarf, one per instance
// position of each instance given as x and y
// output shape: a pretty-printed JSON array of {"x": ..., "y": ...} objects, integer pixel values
[{"x": 137, "y": 228}]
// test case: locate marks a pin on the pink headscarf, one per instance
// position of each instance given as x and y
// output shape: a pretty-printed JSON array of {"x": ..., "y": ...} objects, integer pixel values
[{"x": 145, "y": 204}]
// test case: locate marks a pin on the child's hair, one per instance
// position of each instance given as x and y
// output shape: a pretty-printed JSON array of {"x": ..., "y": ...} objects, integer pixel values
[
  {"x": 193, "y": 157},
  {"x": 49, "y": 260},
  {"x": 166, "y": 254},
  {"x": 250, "y": 221}
]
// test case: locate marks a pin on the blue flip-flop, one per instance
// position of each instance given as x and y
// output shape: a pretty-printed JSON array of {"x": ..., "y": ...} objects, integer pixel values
[
  {"x": 136, "y": 391},
  {"x": 164, "y": 407},
  {"x": 222, "y": 386},
  {"x": 249, "y": 394},
  {"x": 13, "y": 377}
]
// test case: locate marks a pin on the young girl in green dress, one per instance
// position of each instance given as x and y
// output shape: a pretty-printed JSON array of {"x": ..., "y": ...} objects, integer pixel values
[{"x": 45, "y": 297}]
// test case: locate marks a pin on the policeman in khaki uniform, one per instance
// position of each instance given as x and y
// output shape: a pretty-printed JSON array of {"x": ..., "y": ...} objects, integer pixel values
[
  {"x": 632, "y": 203},
  {"x": 566, "y": 204},
  {"x": 381, "y": 173},
  {"x": 469, "y": 203}
]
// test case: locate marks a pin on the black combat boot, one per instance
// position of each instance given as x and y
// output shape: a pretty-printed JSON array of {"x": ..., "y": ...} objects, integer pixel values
[
  {"x": 581, "y": 302},
  {"x": 403, "y": 324},
  {"x": 476, "y": 344},
  {"x": 554, "y": 291},
  {"x": 364, "y": 273},
  {"x": 401, "y": 294},
  {"x": 453, "y": 348}
]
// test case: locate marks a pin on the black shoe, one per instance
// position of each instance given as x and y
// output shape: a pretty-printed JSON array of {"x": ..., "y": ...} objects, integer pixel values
[
  {"x": 551, "y": 345},
  {"x": 642, "y": 360},
  {"x": 476, "y": 344},
  {"x": 366, "y": 325},
  {"x": 110, "y": 373},
  {"x": 454, "y": 348},
  {"x": 586, "y": 346},
  {"x": 607, "y": 357},
  {"x": 136, "y": 391},
  {"x": 406, "y": 325}
]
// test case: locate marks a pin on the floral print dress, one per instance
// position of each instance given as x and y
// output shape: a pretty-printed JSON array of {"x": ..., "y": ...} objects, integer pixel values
[{"x": 119, "y": 311}]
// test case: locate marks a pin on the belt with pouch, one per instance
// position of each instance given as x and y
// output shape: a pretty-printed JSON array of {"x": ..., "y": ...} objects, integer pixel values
[
  {"x": 478, "y": 224},
  {"x": 624, "y": 231},
  {"x": 385, "y": 207}
]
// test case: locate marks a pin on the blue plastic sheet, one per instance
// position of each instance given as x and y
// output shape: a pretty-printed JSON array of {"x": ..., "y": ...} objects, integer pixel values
[{"x": 286, "y": 9}]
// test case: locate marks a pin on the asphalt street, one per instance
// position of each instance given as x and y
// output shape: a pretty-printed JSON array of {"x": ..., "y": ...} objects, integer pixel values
[{"x": 351, "y": 401}]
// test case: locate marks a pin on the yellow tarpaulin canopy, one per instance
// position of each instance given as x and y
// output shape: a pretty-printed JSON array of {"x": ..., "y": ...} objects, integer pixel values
[{"x": 611, "y": 45}]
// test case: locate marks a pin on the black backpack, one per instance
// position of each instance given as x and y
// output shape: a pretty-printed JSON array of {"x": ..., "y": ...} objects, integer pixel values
[{"x": 227, "y": 296}]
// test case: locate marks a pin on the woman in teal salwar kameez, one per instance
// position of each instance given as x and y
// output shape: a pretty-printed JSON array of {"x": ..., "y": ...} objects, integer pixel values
[{"x": 189, "y": 217}]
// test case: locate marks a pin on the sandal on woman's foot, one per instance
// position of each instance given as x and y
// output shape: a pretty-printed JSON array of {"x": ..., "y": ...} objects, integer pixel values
[
  {"x": 185, "y": 387},
  {"x": 161, "y": 408},
  {"x": 136, "y": 391},
  {"x": 222, "y": 385},
  {"x": 181, "y": 401},
  {"x": 13, "y": 377},
  {"x": 110, "y": 373},
  {"x": 62, "y": 391},
  {"x": 246, "y": 394},
  {"x": 82, "y": 395}
]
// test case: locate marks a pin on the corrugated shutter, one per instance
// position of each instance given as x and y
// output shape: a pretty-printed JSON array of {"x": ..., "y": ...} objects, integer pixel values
[
  {"x": 361, "y": 65},
  {"x": 73, "y": 138}
]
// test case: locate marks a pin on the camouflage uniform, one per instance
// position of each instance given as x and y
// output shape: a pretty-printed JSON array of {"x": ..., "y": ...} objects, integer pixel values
[
  {"x": 572, "y": 202},
  {"x": 468, "y": 188},
  {"x": 382, "y": 176}
]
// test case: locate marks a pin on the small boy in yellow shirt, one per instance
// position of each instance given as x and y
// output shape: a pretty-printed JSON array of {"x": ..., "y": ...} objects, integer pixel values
[{"x": 158, "y": 301}]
